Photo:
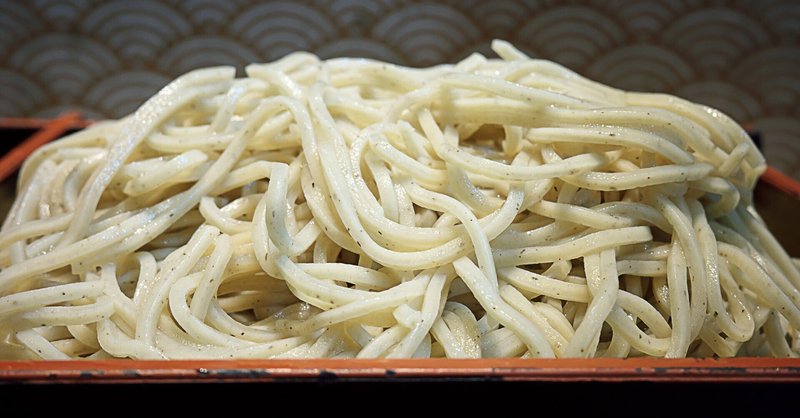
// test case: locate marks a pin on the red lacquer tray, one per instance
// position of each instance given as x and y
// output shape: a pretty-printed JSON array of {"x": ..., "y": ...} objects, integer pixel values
[
  {"x": 776, "y": 198},
  {"x": 561, "y": 370}
]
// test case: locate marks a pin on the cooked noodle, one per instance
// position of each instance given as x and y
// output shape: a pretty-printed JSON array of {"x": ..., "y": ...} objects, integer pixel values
[{"x": 354, "y": 208}]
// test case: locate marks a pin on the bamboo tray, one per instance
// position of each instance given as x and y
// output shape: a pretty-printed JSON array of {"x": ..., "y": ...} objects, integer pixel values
[{"x": 777, "y": 197}]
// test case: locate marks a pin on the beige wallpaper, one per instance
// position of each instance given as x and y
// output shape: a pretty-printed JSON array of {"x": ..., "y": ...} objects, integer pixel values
[{"x": 106, "y": 57}]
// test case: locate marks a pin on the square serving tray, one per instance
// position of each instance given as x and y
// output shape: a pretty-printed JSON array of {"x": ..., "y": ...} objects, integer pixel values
[{"x": 777, "y": 198}]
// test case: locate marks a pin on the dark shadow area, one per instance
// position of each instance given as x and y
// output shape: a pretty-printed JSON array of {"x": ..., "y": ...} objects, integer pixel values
[{"x": 644, "y": 399}]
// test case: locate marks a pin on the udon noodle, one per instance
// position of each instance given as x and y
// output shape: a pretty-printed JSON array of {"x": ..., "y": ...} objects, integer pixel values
[{"x": 354, "y": 208}]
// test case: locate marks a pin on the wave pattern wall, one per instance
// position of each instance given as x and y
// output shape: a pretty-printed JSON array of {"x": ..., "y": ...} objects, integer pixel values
[{"x": 106, "y": 57}]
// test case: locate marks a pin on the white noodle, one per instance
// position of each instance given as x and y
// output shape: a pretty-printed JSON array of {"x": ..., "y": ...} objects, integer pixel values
[{"x": 354, "y": 208}]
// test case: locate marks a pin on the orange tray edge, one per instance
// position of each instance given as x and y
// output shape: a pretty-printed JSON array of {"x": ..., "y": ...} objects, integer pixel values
[{"x": 664, "y": 370}]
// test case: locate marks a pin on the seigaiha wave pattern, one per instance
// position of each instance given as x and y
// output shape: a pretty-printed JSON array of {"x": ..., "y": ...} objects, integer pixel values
[{"x": 107, "y": 57}]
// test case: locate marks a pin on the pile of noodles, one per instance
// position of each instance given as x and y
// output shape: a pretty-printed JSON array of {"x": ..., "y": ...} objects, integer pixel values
[{"x": 354, "y": 208}]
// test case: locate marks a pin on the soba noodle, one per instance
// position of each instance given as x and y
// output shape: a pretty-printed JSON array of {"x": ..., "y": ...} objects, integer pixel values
[{"x": 354, "y": 208}]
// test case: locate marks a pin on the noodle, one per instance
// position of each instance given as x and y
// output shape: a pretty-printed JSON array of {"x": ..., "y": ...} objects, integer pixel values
[{"x": 352, "y": 208}]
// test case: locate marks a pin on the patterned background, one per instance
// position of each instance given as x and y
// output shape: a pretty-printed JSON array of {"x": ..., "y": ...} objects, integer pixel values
[{"x": 106, "y": 57}]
